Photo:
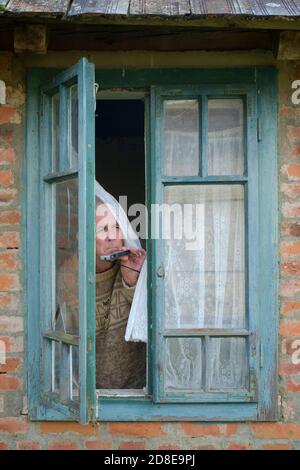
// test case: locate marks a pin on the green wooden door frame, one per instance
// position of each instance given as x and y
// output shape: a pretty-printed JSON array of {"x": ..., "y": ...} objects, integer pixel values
[{"x": 264, "y": 80}]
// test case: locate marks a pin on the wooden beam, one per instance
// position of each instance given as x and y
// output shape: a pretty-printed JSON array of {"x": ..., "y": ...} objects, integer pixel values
[
  {"x": 289, "y": 45},
  {"x": 30, "y": 38}
]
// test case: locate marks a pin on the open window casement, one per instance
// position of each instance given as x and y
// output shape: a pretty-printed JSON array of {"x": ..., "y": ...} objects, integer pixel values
[{"x": 67, "y": 252}]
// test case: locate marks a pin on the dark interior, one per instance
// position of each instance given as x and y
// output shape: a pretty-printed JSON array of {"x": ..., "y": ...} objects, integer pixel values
[{"x": 120, "y": 153}]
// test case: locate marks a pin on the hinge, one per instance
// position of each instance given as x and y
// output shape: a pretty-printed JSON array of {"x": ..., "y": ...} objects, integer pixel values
[
  {"x": 253, "y": 384},
  {"x": 259, "y": 136},
  {"x": 96, "y": 88}
]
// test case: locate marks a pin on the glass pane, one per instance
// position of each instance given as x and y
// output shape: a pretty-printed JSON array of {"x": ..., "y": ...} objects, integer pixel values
[
  {"x": 183, "y": 365},
  {"x": 63, "y": 370},
  {"x": 55, "y": 132},
  {"x": 181, "y": 138},
  {"x": 204, "y": 256},
  {"x": 225, "y": 137},
  {"x": 75, "y": 372},
  {"x": 66, "y": 257},
  {"x": 73, "y": 126},
  {"x": 227, "y": 363}
]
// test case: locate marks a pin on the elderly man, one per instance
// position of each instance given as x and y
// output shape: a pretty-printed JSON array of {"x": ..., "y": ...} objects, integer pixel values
[{"x": 120, "y": 364}]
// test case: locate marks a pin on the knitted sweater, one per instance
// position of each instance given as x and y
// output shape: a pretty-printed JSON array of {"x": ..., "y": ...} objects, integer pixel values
[{"x": 119, "y": 364}]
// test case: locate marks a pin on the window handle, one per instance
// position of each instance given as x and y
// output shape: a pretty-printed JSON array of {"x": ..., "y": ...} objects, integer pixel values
[{"x": 160, "y": 272}]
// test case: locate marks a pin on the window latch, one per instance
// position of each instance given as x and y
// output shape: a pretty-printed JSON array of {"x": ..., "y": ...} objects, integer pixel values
[{"x": 160, "y": 272}]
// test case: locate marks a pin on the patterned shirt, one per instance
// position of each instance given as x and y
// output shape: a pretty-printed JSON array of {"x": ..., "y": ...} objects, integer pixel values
[{"x": 120, "y": 363}]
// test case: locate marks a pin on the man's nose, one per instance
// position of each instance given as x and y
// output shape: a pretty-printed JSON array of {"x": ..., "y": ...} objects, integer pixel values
[{"x": 111, "y": 234}]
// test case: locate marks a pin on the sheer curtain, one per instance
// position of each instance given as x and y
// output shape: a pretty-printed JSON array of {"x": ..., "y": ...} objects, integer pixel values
[{"x": 205, "y": 286}]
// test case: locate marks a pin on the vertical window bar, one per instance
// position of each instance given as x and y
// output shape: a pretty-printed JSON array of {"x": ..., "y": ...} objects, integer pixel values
[
  {"x": 63, "y": 128},
  {"x": 52, "y": 366},
  {"x": 205, "y": 351},
  {"x": 71, "y": 371},
  {"x": 204, "y": 135}
]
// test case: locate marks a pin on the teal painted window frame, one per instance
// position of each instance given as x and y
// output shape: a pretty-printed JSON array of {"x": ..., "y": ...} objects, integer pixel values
[{"x": 263, "y": 83}]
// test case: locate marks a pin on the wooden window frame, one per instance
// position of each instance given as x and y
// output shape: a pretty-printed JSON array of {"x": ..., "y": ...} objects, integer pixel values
[{"x": 263, "y": 80}]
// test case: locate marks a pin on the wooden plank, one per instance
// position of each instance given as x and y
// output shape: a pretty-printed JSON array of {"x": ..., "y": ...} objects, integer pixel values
[
  {"x": 89, "y": 37},
  {"x": 160, "y": 7},
  {"x": 30, "y": 38},
  {"x": 198, "y": 332},
  {"x": 61, "y": 336},
  {"x": 49, "y": 7},
  {"x": 94, "y": 7}
]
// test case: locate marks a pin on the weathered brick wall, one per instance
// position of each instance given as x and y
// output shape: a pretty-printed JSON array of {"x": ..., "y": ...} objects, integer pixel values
[{"x": 15, "y": 430}]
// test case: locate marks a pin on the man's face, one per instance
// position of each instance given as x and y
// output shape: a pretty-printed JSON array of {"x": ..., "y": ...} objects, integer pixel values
[{"x": 108, "y": 233}]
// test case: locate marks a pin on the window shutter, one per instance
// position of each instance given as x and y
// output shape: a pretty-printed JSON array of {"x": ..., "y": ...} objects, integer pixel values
[{"x": 67, "y": 251}]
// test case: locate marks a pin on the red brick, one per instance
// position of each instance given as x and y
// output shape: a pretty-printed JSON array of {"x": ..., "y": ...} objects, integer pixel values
[
  {"x": 9, "y": 240},
  {"x": 3, "y": 446},
  {"x": 169, "y": 447},
  {"x": 290, "y": 289},
  {"x": 236, "y": 446},
  {"x": 9, "y": 260},
  {"x": 290, "y": 328},
  {"x": 290, "y": 209},
  {"x": 6, "y": 178},
  {"x": 295, "y": 151},
  {"x": 8, "y": 382},
  {"x": 290, "y": 229},
  {"x": 276, "y": 430},
  {"x": 293, "y": 387},
  {"x": 276, "y": 447},
  {"x": 291, "y": 190},
  {"x": 292, "y": 171},
  {"x": 9, "y": 301},
  {"x": 290, "y": 308},
  {"x": 293, "y": 133},
  {"x": 288, "y": 368},
  {"x": 98, "y": 445},
  {"x": 9, "y": 282},
  {"x": 290, "y": 248},
  {"x": 13, "y": 425},
  {"x": 12, "y": 344},
  {"x": 61, "y": 427},
  {"x": 11, "y": 324},
  {"x": 29, "y": 445},
  {"x": 198, "y": 430},
  {"x": 7, "y": 156},
  {"x": 11, "y": 364},
  {"x": 126, "y": 445},
  {"x": 9, "y": 115},
  {"x": 291, "y": 268},
  {"x": 10, "y": 217},
  {"x": 7, "y": 195},
  {"x": 62, "y": 445},
  {"x": 136, "y": 429}
]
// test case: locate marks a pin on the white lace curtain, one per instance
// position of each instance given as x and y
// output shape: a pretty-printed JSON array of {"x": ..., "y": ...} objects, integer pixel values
[{"x": 205, "y": 287}]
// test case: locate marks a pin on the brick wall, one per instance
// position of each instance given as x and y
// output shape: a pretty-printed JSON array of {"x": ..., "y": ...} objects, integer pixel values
[{"x": 15, "y": 430}]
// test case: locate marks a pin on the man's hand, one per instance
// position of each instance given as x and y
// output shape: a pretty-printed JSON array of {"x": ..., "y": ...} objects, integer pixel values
[{"x": 131, "y": 265}]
